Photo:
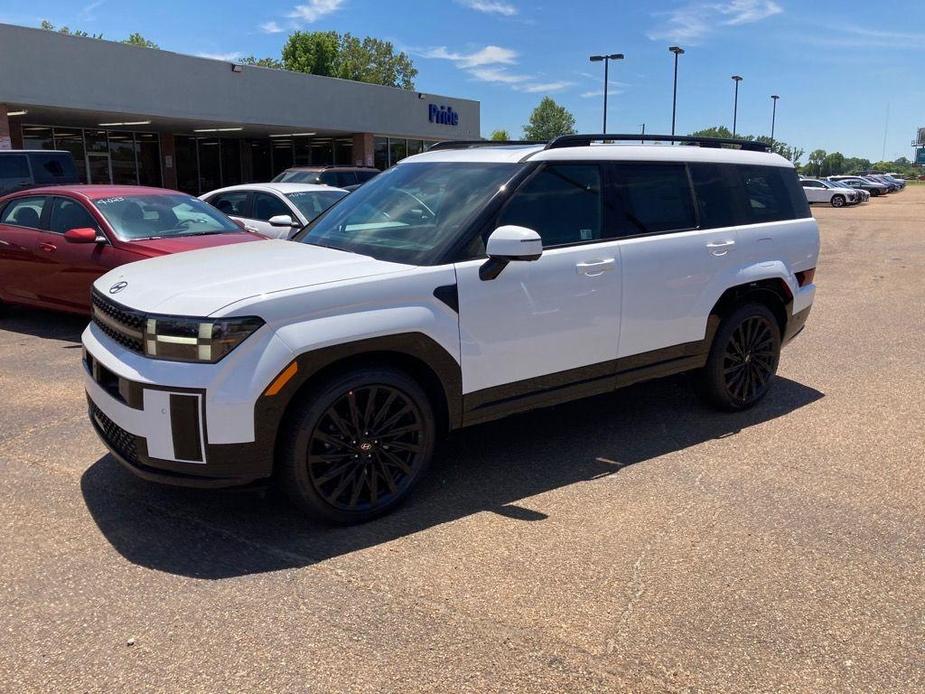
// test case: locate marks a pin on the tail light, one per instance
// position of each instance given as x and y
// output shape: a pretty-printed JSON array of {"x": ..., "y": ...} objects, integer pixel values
[{"x": 805, "y": 277}]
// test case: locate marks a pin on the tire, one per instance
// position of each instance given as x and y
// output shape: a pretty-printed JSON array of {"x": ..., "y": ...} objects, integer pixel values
[
  {"x": 743, "y": 359},
  {"x": 346, "y": 460},
  {"x": 838, "y": 201}
]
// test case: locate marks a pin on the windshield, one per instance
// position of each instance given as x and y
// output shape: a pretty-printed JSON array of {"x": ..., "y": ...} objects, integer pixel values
[
  {"x": 298, "y": 177},
  {"x": 311, "y": 203},
  {"x": 136, "y": 217},
  {"x": 407, "y": 213}
]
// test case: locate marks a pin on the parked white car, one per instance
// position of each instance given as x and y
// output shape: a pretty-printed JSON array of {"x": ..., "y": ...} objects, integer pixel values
[
  {"x": 462, "y": 285},
  {"x": 274, "y": 210},
  {"x": 822, "y": 191}
]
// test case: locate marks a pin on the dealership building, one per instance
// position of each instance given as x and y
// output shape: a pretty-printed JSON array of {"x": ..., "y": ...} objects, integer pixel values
[{"x": 133, "y": 115}]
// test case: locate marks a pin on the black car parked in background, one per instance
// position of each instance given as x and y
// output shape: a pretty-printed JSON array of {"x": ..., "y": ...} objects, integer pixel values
[{"x": 25, "y": 168}]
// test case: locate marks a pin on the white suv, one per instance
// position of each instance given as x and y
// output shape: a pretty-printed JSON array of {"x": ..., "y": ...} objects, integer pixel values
[
  {"x": 825, "y": 191},
  {"x": 462, "y": 285}
]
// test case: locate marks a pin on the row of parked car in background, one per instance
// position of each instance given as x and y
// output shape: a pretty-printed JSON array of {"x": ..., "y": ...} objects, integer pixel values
[
  {"x": 58, "y": 235},
  {"x": 840, "y": 191}
]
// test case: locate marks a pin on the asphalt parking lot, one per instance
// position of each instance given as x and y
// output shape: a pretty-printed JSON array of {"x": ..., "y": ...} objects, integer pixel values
[{"x": 637, "y": 541}]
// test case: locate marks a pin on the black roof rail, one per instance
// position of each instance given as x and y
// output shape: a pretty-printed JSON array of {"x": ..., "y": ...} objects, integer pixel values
[
  {"x": 469, "y": 144},
  {"x": 586, "y": 140}
]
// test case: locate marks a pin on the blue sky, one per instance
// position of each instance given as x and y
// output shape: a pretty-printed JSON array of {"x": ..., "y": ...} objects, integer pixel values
[{"x": 839, "y": 67}]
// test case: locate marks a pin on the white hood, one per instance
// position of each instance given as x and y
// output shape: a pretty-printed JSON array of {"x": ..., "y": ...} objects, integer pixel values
[{"x": 199, "y": 283}]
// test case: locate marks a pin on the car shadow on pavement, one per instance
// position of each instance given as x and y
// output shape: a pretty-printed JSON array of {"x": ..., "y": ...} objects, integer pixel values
[
  {"x": 488, "y": 468},
  {"x": 44, "y": 324}
]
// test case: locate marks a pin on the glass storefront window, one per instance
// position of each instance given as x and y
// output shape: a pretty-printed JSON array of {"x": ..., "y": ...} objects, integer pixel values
[
  {"x": 381, "y": 153},
  {"x": 343, "y": 151},
  {"x": 303, "y": 151},
  {"x": 185, "y": 160},
  {"x": 149, "y": 159},
  {"x": 322, "y": 152},
  {"x": 398, "y": 150},
  {"x": 282, "y": 156},
  {"x": 231, "y": 162},
  {"x": 210, "y": 166},
  {"x": 122, "y": 158},
  {"x": 415, "y": 147},
  {"x": 260, "y": 169},
  {"x": 72, "y": 140},
  {"x": 96, "y": 141},
  {"x": 37, "y": 137}
]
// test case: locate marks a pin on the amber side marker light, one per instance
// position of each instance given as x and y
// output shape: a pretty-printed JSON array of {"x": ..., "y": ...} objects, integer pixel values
[
  {"x": 806, "y": 277},
  {"x": 281, "y": 380}
]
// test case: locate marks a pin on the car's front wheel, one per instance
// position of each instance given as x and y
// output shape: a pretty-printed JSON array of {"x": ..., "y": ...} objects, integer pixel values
[
  {"x": 743, "y": 359},
  {"x": 355, "y": 446},
  {"x": 838, "y": 201}
]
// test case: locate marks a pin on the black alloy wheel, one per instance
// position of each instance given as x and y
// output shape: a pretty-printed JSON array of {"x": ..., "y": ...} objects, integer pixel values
[
  {"x": 743, "y": 359},
  {"x": 357, "y": 448}
]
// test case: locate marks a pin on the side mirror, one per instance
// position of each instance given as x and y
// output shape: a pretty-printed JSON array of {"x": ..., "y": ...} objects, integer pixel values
[
  {"x": 82, "y": 235},
  {"x": 507, "y": 244},
  {"x": 282, "y": 220}
]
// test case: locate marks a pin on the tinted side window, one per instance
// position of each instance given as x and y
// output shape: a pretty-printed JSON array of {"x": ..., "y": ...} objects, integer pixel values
[
  {"x": 345, "y": 178},
  {"x": 651, "y": 197},
  {"x": 267, "y": 206},
  {"x": 363, "y": 176},
  {"x": 14, "y": 166},
  {"x": 772, "y": 194},
  {"x": 328, "y": 178},
  {"x": 69, "y": 214},
  {"x": 24, "y": 212},
  {"x": 719, "y": 195},
  {"x": 562, "y": 203},
  {"x": 234, "y": 203},
  {"x": 53, "y": 168}
]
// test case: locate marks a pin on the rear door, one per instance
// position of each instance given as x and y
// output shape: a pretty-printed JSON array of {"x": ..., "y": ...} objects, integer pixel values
[
  {"x": 677, "y": 254},
  {"x": 234, "y": 203},
  {"x": 20, "y": 229},
  {"x": 815, "y": 191}
]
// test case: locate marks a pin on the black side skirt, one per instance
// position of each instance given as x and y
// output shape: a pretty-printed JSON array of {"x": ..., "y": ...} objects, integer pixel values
[{"x": 573, "y": 384}]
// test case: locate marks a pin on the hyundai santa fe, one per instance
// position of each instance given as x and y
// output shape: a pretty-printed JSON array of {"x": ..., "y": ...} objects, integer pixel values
[{"x": 460, "y": 286}]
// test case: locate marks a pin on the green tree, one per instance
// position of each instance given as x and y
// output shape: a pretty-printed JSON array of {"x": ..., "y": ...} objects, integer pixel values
[
  {"x": 330, "y": 54},
  {"x": 500, "y": 135},
  {"x": 549, "y": 120},
  {"x": 48, "y": 26},
  {"x": 374, "y": 61},
  {"x": 833, "y": 164},
  {"x": 262, "y": 62},
  {"x": 718, "y": 131},
  {"x": 314, "y": 52},
  {"x": 816, "y": 158},
  {"x": 136, "y": 39}
]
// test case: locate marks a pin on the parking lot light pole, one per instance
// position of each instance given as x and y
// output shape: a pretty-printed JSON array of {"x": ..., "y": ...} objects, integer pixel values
[
  {"x": 774, "y": 98},
  {"x": 677, "y": 50},
  {"x": 735, "y": 104},
  {"x": 606, "y": 59}
]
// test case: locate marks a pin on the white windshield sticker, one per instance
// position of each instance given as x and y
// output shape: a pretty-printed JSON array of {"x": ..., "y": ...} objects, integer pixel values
[{"x": 109, "y": 201}]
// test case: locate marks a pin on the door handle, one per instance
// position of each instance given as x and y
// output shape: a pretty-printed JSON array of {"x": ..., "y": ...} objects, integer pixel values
[
  {"x": 251, "y": 229},
  {"x": 720, "y": 248},
  {"x": 48, "y": 247},
  {"x": 595, "y": 268}
]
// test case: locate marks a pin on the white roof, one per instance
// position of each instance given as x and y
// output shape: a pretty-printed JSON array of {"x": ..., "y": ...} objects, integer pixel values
[
  {"x": 597, "y": 152},
  {"x": 282, "y": 188}
]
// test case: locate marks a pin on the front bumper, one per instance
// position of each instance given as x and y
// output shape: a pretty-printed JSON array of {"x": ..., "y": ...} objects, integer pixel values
[{"x": 201, "y": 425}]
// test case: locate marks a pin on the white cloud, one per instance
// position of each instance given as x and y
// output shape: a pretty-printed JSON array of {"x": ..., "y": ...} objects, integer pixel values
[
  {"x": 692, "y": 22},
  {"x": 87, "y": 11},
  {"x": 313, "y": 10},
  {"x": 271, "y": 28},
  {"x": 489, "y": 64},
  {"x": 227, "y": 57},
  {"x": 505, "y": 9},
  {"x": 489, "y": 55}
]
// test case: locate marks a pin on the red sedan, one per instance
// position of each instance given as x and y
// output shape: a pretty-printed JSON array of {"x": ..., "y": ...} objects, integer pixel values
[{"x": 55, "y": 241}]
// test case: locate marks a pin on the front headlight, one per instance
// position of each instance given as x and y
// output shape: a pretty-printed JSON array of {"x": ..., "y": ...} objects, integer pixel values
[{"x": 201, "y": 340}]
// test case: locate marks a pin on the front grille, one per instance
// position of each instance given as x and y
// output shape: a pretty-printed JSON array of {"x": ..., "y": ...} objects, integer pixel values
[
  {"x": 122, "y": 324},
  {"x": 117, "y": 438}
]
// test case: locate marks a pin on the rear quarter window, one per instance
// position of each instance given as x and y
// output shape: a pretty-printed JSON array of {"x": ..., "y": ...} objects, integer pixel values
[
  {"x": 53, "y": 168},
  {"x": 772, "y": 194},
  {"x": 648, "y": 198},
  {"x": 14, "y": 166}
]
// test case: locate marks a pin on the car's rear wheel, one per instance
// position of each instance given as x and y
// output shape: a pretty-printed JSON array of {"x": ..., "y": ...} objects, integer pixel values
[
  {"x": 838, "y": 201},
  {"x": 743, "y": 359},
  {"x": 357, "y": 445}
]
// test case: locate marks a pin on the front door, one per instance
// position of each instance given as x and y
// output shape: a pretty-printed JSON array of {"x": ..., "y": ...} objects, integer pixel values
[{"x": 543, "y": 328}]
